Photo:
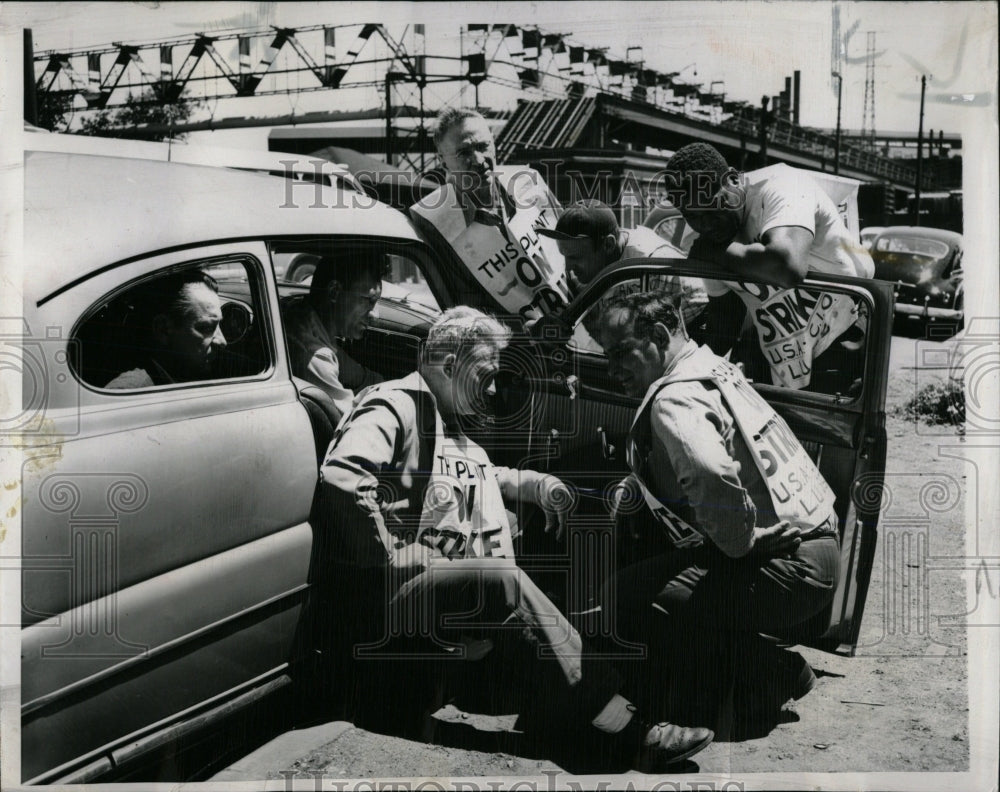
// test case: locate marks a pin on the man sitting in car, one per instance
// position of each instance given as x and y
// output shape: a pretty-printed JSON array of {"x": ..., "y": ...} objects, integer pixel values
[
  {"x": 750, "y": 517},
  {"x": 340, "y": 304},
  {"x": 411, "y": 515},
  {"x": 180, "y": 335}
]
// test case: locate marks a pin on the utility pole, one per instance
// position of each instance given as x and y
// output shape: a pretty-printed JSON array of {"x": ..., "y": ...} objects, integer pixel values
[
  {"x": 836, "y": 139},
  {"x": 920, "y": 147},
  {"x": 30, "y": 97},
  {"x": 389, "y": 77},
  {"x": 764, "y": 117}
]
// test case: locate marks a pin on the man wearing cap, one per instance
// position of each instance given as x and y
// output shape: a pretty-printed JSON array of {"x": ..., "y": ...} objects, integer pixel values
[
  {"x": 487, "y": 216},
  {"x": 590, "y": 239},
  {"x": 776, "y": 224}
]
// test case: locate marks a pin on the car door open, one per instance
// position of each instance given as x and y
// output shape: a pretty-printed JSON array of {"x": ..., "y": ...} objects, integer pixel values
[{"x": 578, "y": 417}]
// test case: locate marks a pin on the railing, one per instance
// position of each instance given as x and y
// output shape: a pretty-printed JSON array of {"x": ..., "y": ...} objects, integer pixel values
[{"x": 824, "y": 146}]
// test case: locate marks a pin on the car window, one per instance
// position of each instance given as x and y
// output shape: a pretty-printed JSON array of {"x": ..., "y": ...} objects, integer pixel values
[
  {"x": 689, "y": 294},
  {"x": 912, "y": 245},
  {"x": 806, "y": 339},
  {"x": 179, "y": 326},
  {"x": 402, "y": 279}
]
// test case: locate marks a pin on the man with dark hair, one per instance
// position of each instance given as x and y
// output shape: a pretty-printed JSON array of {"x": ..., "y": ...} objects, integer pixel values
[
  {"x": 486, "y": 215},
  {"x": 342, "y": 298},
  {"x": 590, "y": 239},
  {"x": 411, "y": 521},
  {"x": 181, "y": 334},
  {"x": 750, "y": 517},
  {"x": 776, "y": 225}
]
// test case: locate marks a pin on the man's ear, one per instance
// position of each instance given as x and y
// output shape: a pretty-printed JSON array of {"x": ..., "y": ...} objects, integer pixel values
[
  {"x": 609, "y": 247},
  {"x": 448, "y": 364},
  {"x": 660, "y": 335}
]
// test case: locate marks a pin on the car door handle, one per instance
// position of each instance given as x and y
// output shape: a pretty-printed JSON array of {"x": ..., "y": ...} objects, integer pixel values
[
  {"x": 607, "y": 450},
  {"x": 552, "y": 449},
  {"x": 572, "y": 383}
]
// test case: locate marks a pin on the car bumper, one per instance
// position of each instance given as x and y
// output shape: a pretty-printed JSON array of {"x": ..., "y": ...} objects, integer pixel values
[{"x": 927, "y": 312}]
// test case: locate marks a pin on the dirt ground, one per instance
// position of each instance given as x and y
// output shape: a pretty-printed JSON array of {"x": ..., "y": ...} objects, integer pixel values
[{"x": 901, "y": 704}]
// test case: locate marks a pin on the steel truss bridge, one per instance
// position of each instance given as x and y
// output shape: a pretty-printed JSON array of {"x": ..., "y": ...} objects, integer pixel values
[{"x": 636, "y": 106}]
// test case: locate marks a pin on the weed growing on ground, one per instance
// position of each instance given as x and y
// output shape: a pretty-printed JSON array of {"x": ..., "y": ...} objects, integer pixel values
[{"x": 937, "y": 403}]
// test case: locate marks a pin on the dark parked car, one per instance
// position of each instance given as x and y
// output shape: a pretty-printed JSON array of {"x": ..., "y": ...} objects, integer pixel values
[{"x": 925, "y": 266}]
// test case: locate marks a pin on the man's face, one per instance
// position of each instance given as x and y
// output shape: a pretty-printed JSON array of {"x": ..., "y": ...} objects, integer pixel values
[
  {"x": 192, "y": 338},
  {"x": 634, "y": 362},
  {"x": 472, "y": 378},
  {"x": 584, "y": 259},
  {"x": 469, "y": 154},
  {"x": 722, "y": 218},
  {"x": 354, "y": 306}
]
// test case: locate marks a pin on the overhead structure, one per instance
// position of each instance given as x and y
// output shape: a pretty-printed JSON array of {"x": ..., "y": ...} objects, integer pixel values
[
  {"x": 553, "y": 85},
  {"x": 868, "y": 121}
]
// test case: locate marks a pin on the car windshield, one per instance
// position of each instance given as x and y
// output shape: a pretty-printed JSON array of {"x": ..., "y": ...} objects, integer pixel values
[{"x": 920, "y": 249}]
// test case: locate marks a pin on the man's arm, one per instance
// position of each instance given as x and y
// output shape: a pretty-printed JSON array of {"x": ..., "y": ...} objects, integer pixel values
[
  {"x": 355, "y": 376},
  {"x": 781, "y": 259},
  {"x": 323, "y": 371},
  {"x": 349, "y": 484},
  {"x": 687, "y": 424},
  {"x": 542, "y": 489}
]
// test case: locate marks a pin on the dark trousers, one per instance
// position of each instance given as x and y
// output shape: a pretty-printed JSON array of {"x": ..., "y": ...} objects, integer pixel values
[
  {"x": 701, "y": 613},
  {"x": 423, "y": 624}
]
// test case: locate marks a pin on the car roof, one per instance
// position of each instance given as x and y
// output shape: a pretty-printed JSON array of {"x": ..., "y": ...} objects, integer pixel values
[
  {"x": 84, "y": 212},
  {"x": 951, "y": 237}
]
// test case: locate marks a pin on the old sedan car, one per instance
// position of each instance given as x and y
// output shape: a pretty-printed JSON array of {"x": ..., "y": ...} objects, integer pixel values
[
  {"x": 167, "y": 555},
  {"x": 925, "y": 267}
]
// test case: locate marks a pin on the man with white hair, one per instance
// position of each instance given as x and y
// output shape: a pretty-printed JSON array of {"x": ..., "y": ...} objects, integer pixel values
[
  {"x": 414, "y": 511},
  {"x": 486, "y": 215}
]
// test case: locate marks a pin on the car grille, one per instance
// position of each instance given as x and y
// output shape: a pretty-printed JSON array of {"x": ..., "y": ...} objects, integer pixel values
[{"x": 907, "y": 293}]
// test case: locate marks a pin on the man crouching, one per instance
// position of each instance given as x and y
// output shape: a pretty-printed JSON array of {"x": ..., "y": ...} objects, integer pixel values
[
  {"x": 417, "y": 510},
  {"x": 749, "y": 515}
]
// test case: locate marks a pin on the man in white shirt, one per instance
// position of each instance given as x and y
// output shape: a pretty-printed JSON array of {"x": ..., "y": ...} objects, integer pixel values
[{"x": 777, "y": 225}]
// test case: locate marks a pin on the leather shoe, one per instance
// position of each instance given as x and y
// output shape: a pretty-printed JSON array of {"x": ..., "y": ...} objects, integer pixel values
[{"x": 665, "y": 744}]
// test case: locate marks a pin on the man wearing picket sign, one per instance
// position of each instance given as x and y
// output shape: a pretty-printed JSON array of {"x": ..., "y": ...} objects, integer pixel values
[
  {"x": 413, "y": 512},
  {"x": 487, "y": 215},
  {"x": 774, "y": 225},
  {"x": 753, "y": 537}
]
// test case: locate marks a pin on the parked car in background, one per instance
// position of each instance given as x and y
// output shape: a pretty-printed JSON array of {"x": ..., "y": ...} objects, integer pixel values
[
  {"x": 925, "y": 267},
  {"x": 868, "y": 235},
  {"x": 666, "y": 220}
]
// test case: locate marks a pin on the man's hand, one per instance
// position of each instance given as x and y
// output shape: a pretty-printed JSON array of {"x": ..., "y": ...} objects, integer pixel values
[
  {"x": 412, "y": 558},
  {"x": 556, "y": 500},
  {"x": 777, "y": 540}
]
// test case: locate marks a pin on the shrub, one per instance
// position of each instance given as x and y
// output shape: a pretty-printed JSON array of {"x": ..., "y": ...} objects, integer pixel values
[{"x": 938, "y": 403}]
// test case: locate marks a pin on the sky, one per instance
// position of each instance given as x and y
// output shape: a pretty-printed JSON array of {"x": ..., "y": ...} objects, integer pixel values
[{"x": 749, "y": 46}]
